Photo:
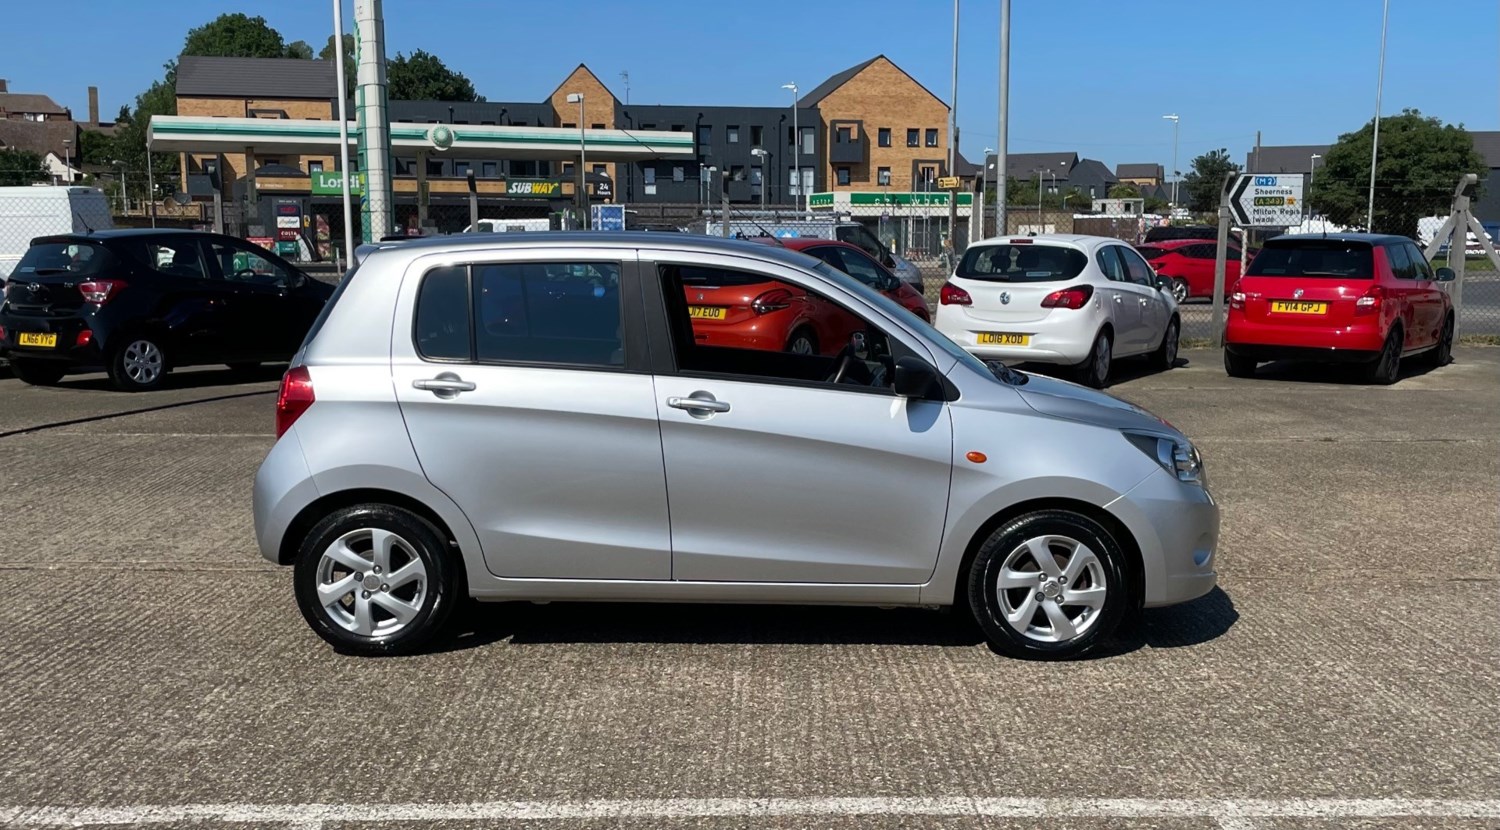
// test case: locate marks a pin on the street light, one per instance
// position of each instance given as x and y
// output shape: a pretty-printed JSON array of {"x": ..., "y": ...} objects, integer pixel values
[
  {"x": 765, "y": 163},
  {"x": 1312, "y": 166},
  {"x": 1176, "y": 174},
  {"x": 796, "y": 147},
  {"x": 984, "y": 188},
  {"x": 124, "y": 191},
  {"x": 68, "y": 158},
  {"x": 583, "y": 192}
]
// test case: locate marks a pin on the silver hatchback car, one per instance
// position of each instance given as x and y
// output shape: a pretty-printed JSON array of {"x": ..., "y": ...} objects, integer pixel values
[{"x": 619, "y": 417}]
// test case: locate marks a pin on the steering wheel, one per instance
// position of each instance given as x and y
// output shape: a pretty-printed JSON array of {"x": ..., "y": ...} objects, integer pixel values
[
  {"x": 245, "y": 274},
  {"x": 845, "y": 361}
]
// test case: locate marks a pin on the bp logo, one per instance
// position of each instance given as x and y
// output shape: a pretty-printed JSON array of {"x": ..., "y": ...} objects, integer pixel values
[{"x": 442, "y": 137}]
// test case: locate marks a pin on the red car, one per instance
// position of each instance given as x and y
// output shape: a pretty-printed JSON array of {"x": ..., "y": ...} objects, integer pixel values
[
  {"x": 1356, "y": 297},
  {"x": 1189, "y": 264},
  {"x": 853, "y": 260}
]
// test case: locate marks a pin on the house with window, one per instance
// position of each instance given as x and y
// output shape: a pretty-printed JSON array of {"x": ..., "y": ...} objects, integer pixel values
[
  {"x": 749, "y": 154},
  {"x": 1140, "y": 174}
]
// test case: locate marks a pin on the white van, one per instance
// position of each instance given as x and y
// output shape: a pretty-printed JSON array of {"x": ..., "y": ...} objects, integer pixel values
[
  {"x": 29, "y": 212},
  {"x": 509, "y": 225}
]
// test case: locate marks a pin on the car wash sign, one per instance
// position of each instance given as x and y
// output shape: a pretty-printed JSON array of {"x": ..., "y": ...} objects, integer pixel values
[{"x": 1259, "y": 200}]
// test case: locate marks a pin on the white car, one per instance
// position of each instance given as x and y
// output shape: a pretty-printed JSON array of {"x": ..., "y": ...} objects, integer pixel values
[{"x": 1080, "y": 301}]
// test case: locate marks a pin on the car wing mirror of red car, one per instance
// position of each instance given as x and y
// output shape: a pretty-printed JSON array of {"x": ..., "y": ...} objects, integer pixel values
[{"x": 1446, "y": 275}]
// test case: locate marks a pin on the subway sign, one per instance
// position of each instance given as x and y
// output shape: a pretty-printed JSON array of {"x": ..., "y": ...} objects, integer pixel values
[{"x": 533, "y": 188}]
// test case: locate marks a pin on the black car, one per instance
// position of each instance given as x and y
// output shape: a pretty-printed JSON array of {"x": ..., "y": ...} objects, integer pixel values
[{"x": 143, "y": 302}]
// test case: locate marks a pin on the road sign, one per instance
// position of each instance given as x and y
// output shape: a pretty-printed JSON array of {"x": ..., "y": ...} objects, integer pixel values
[
  {"x": 948, "y": 183},
  {"x": 1260, "y": 200}
]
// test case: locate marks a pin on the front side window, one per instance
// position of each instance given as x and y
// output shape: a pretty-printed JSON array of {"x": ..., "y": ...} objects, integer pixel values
[
  {"x": 1136, "y": 268},
  {"x": 752, "y": 326},
  {"x": 548, "y": 312},
  {"x": 180, "y": 258},
  {"x": 1419, "y": 259},
  {"x": 244, "y": 265},
  {"x": 855, "y": 264},
  {"x": 1021, "y": 263}
]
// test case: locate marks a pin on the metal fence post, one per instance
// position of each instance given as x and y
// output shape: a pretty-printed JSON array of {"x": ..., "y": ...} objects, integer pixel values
[{"x": 1220, "y": 254}]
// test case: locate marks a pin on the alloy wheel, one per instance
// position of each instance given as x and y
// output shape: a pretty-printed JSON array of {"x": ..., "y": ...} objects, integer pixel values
[
  {"x": 1101, "y": 359},
  {"x": 800, "y": 345},
  {"x": 1180, "y": 290},
  {"x": 1173, "y": 336},
  {"x": 142, "y": 362},
  {"x": 1051, "y": 589},
  {"x": 371, "y": 582}
]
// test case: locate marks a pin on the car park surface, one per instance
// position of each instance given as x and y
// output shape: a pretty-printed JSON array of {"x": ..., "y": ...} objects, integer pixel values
[{"x": 1345, "y": 668}]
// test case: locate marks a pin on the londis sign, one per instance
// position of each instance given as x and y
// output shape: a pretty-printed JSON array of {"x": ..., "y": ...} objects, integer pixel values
[{"x": 533, "y": 188}]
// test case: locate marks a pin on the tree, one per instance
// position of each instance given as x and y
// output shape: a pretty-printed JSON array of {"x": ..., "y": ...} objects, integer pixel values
[
  {"x": 1155, "y": 205},
  {"x": 1124, "y": 190},
  {"x": 95, "y": 147},
  {"x": 423, "y": 77},
  {"x": 327, "y": 54},
  {"x": 236, "y": 36},
  {"x": 300, "y": 50},
  {"x": 1206, "y": 180},
  {"x": 22, "y": 167},
  {"x": 1419, "y": 165}
]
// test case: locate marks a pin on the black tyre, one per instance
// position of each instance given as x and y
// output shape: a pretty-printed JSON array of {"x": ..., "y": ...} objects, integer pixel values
[
  {"x": 1442, "y": 355},
  {"x": 802, "y": 341},
  {"x": 1386, "y": 369},
  {"x": 1165, "y": 356},
  {"x": 38, "y": 372},
  {"x": 1049, "y": 585},
  {"x": 138, "y": 363},
  {"x": 1094, "y": 370},
  {"x": 1238, "y": 366},
  {"x": 376, "y": 580}
]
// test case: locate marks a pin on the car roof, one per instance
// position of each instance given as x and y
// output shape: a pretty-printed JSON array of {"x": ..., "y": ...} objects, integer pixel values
[
  {"x": 1078, "y": 239},
  {"x": 1371, "y": 238},
  {"x": 802, "y": 243},
  {"x": 686, "y": 242},
  {"x": 1182, "y": 243},
  {"x": 134, "y": 233}
]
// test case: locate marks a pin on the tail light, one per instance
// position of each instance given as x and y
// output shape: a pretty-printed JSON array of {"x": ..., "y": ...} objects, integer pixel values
[
  {"x": 2, "y": 332},
  {"x": 84, "y": 338},
  {"x": 100, "y": 291},
  {"x": 1236, "y": 297},
  {"x": 1075, "y": 298},
  {"x": 774, "y": 300},
  {"x": 295, "y": 397},
  {"x": 953, "y": 295},
  {"x": 1370, "y": 302}
]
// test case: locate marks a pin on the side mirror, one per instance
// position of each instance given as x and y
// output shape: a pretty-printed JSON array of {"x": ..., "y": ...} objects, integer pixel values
[
  {"x": 915, "y": 379},
  {"x": 887, "y": 260},
  {"x": 1446, "y": 275},
  {"x": 1163, "y": 284}
]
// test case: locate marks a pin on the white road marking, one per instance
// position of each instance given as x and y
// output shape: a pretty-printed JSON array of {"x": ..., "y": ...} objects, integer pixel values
[{"x": 1233, "y": 814}]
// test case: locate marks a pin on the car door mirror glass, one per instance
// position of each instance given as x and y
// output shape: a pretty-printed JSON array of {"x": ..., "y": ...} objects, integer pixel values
[
  {"x": 1446, "y": 274},
  {"x": 915, "y": 379}
]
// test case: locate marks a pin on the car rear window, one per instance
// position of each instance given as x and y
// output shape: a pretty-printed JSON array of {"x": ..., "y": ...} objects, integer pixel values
[
  {"x": 1333, "y": 258},
  {"x": 63, "y": 257},
  {"x": 1151, "y": 252},
  {"x": 1021, "y": 263}
]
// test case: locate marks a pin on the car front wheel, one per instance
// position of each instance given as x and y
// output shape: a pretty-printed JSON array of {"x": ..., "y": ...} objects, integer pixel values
[
  {"x": 375, "y": 580},
  {"x": 1049, "y": 585}
]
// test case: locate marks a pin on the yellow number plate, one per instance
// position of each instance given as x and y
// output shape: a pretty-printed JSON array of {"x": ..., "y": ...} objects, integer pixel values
[
  {"x": 36, "y": 338},
  {"x": 1298, "y": 307},
  {"x": 995, "y": 338},
  {"x": 707, "y": 312}
]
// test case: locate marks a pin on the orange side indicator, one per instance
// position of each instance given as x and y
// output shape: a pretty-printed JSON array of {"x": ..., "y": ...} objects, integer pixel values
[{"x": 976, "y": 457}]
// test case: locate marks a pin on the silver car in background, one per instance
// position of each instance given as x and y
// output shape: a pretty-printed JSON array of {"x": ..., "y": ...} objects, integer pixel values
[{"x": 575, "y": 416}]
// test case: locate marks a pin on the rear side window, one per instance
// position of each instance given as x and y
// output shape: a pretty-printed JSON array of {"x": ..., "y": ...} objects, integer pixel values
[
  {"x": 176, "y": 256},
  {"x": 549, "y": 312},
  {"x": 1402, "y": 268},
  {"x": 1150, "y": 252},
  {"x": 1110, "y": 264},
  {"x": 1021, "y": 263},
  {"x": 71, "y": 257},
  {"x": 1313, "y": 258},
  {"x": 442, "y": 327}
]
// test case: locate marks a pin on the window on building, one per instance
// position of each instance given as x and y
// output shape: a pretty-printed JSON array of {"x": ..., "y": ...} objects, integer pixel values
[
  {"x": 884, "y": 136},
  {"x": 732, "y": 134},
  {"x": 648, "y": 126},
  {"x": 596, "y": 126},
  {"x": 489, "y": 169},
  {"x": 569, "y": 125},
  {"x": 737, "y": 172},
  {"x": 914, "y": 137},
  {"x": 883, "y": 177},
  {"x": 844, "y": 136},
  {"x": 809, "y": 140},
  {"x": 678, "y": 173},
  {"x": 929, "y": 176},
  {"x": 843, "y": 176},
  {"x": 677, "y": 128},
  {"x": 486, "y": 123},
  {"x": 932, "y": 137},
  {"x": 705, "y": 134},
  {"x": 522, "y": 168},
  {"x": 434, "y": 167},
  {"x": 568, "y": 167},
  {"x": 755, "y": 135},
  {"x": 648, "y": 176},
  {"x": 461, "y": 169},
  {"x": 315, "y": 166}
]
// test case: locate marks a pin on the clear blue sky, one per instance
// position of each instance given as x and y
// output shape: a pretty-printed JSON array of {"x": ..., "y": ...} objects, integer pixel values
[{"x": 1093, "y": 76}]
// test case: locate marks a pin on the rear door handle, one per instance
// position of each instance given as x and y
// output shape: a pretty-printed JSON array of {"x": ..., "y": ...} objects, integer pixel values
[
  {"x": 1143, "y": 302},
  {"x": 445, "y": 385},
  {"x": 698, "y": 402}
]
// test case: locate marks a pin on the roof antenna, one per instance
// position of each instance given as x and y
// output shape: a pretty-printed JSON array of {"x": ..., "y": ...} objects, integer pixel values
[{"x": 81, "y": 221}]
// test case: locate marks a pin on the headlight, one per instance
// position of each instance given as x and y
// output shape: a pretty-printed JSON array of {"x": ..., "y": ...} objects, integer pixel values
[{"x": 1177, "y": 456}]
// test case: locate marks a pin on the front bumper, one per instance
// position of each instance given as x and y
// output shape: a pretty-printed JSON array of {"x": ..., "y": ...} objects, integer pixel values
[{"x": 1176, "y": 525}]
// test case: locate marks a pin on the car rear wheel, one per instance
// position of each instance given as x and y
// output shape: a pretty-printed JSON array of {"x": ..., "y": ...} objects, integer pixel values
[
  {"x": 1442, "y": 355},
  {"x": 1049, "y": 585},
  {"x": 1238, "y": 366},
  {"x": 1180, "y": 290},
  {"x": 802, "y": 341},
  {"x": 138, "y": 365},
  {"x": 1165, "y": 356},
  {"x": 1385, "y": 369},
  {"x": 38, "y": 372},
  {"x": 1094, "y": 370},
  {"x": 375, "y": 580}
]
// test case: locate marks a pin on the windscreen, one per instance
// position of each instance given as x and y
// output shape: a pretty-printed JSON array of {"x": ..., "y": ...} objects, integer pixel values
[
  {"x": 1021, "y": 263},
  {"x": 1314, "y": 258},
  {"x": 62, "y": 257}
]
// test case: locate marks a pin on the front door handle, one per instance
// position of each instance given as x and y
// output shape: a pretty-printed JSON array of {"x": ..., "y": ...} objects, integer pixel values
[
  {"x": 1119, "y": 299},
  {"x": 699, "y": 403},
  {"x": 445, "y": 385},
  {"x": 1143, "y": 303}
]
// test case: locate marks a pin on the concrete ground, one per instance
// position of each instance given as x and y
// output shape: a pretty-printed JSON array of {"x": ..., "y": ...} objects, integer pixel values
[{"x": 154, "y": 670}]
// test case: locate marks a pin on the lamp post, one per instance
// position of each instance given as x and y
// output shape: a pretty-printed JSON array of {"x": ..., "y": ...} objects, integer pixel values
[
  {"x": 797, "y": 148},
  {"x": 583, "y": 191},
  {"x": 68, "y": 158},
  {"x": 1385, "y": 20},
  {"x": 1312, "y": 166},
  {"x": 124, "y": 190},
  {"x": 984, "y": 190},
  {"x": 1176, "y": 122},
  {"x": 764, "y": 163}
]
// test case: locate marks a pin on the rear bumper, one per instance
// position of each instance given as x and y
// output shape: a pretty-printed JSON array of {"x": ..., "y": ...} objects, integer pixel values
[
  {"x": 67, "y": 330},
  {"x": 1055, "y": 339},
  {"x": 1274, "y": 341}
]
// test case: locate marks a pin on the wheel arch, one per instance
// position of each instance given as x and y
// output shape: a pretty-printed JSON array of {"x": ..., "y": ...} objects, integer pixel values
[{"x": 319, "y": 508}]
